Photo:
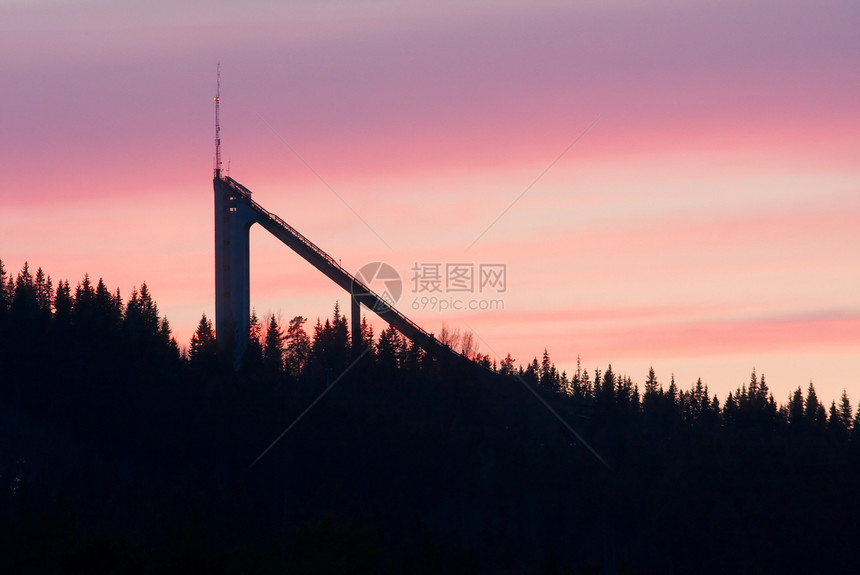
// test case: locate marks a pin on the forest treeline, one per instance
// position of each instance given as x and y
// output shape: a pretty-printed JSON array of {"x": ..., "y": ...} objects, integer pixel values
[{"x": 122, "y": 451}]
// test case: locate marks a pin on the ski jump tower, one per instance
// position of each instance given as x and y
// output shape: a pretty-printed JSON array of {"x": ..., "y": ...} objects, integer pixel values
[{"x": 235, "y": 213}]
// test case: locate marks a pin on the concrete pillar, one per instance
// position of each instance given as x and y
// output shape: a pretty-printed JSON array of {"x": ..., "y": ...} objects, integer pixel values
[{"x": 233, "y": 221}]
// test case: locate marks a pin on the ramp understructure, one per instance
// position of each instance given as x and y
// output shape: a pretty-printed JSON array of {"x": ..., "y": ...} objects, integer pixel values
[{"x": 235, "y": 213}]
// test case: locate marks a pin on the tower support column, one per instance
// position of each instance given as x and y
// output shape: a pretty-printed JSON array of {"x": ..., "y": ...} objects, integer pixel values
[{"x": 233, "y": 221}]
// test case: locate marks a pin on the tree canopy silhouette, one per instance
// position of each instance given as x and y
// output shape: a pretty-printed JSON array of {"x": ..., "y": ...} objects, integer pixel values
[{"x": 119, "y": 449}]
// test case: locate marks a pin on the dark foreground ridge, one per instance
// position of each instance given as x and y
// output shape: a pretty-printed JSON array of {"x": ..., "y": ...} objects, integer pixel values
[{"x": 119, "y": 453}]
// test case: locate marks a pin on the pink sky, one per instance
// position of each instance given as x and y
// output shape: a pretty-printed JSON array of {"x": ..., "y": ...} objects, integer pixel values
[{"x": 708, "y": 223}]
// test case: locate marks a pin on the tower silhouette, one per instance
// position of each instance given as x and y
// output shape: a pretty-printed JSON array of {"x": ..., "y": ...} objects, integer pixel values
[
  {"x": 235, "y": 213},
  {"x": 233, "y": 221}
]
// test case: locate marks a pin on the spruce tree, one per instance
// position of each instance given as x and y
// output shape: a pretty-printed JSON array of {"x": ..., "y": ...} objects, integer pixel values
[
  {"x": 254, "y": 349},
  {"x": 203, "y": 347},
  {"x": 4, "y": 296},
  {"x": 651, "y": 396},
  {"x": 44, "y": 291},
  {"x": 63, "y": 304},
  {"x": 835, "y": 425},
  {"x": 273, "y": 346},
  {"x": 795, "y": 409},
  {"x": 845, "y": 410}
]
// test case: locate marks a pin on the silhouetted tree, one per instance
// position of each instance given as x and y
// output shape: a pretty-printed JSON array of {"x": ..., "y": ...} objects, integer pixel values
[
  {"x": 468, "y": 345},
  {"x": 814, "y": 414},
  {"x": 795, "y": 410},
  {"x": 413, "y": 358},
  {"x": 298, "y": 347},
  {"x": 652, "y": 397},
  {"x": 166, "y": 337},
  {"x": 389, "y": 350},
  {"x": 605, "y": 396},
  {"x": 845, "y": 410},
  {"x": 273, "y": 348},
  {"x": 449, "y": 337},
  {"x": 576, "y": 390},
  {"x": 835, "y": 425},
  {"x": 626, "y": 394},
  {"x": 565, "y": 385},
  {"x": 367, "y": 337},
  {"x": 438, "y": 460},
  {"x": 141, "y": 315},
  {"x": 24, "y": 303},
  {"x": 855, "y": 432},
  {"x": 548, "y": 375},
  {"x": 585, "y": 384},
  {"x": 330, "y": 348},
  {"x": 532, "y": 372},
  {"x": 506, "y": 367},
  {"x": 697, "y": 403},
  {"x": 253, "y": 359},
  {"x": 4, "y": 295},
  {"x": 107, "y": 310},
  {"x": 203, "y": 347},
  {"x": 63, "y": 301},
  {"x": 44, "y": 290}
]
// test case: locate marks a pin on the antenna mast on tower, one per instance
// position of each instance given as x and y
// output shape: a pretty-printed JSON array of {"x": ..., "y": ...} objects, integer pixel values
[{"x": 218, "y": 124}]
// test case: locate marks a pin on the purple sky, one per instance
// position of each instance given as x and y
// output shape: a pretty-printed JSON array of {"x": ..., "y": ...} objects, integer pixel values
[{"x": 706, "y": 224}]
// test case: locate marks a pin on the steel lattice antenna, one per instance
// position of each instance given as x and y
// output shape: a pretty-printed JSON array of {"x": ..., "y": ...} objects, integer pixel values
[{"x": 218, "y": 125}]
